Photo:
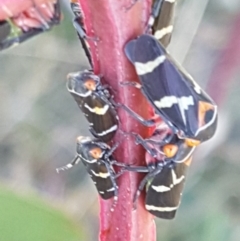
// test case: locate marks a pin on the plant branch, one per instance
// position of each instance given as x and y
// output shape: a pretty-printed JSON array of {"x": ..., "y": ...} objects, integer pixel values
[{"x": 113, "y": 26}]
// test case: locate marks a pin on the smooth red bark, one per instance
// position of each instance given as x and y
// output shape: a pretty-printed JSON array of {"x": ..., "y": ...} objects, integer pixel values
[{"x": 113, "y": 25}]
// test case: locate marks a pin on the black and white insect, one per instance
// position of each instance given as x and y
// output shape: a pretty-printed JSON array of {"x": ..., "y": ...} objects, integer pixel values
[
  {"x": 79, "y": 27},
  {"x": 14, "y": 31},
  {"x": 164, "y": 189},
  {"x": 161, "y": 20},
  {"x": 172, "y": 92},
  {"x": 97, "y": 158},
  {"x": 95, "y": 102},
  {"x": 167, "y": 163}
]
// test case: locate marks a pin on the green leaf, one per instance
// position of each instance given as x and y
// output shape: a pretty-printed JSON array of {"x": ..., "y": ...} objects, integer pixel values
[{"x": 28, "y": 219}]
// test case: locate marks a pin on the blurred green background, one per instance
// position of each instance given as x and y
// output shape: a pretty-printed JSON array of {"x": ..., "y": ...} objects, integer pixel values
[{"x": 40, "y": 121}]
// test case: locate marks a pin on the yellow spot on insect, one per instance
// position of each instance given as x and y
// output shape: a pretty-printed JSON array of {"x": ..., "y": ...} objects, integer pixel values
[
  {"x": 101, "y": 111},
  {"x": 170, "y": 150},
  {"x": 192, "y": 142}
]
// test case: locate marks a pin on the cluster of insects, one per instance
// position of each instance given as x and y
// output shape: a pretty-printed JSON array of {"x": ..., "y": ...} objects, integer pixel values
[
  {"x": 31, "y": 22},
  {"x": 189, "y": 116}
]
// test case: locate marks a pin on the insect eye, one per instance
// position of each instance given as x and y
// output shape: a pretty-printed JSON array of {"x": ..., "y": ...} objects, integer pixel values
[
  {"x": 192, "y": 142},
  {"x": 170, "y": 150},
  {"x": 90, "y": 84},
  {"x": 96, "y": 153}
]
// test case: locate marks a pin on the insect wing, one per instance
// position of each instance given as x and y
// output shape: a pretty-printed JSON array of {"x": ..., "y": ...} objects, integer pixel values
[
  {"x": 164, "y": 192},
  {"x": 101, "y": 117},
  {"x": 79, "y": 26},
  {"x": 130, "y": 50},
  {"x": 163, "y": 24},
  {"x": 101, "y": 176},
  {"x": 100, "y": 170},
  {"x": 163, "y": 86},
  {"x": 93, "y": 101},
  {"x": 207, "y": 109},
  {"x": 171, "y": 91}
]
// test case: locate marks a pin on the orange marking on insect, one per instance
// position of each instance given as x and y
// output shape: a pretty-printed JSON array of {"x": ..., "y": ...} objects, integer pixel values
[
  {"x": 170, "y": 150},
  {"x": 203, "y": 107},
  {"x": 192, "y": 142},
  {"x": 96, "y": 153},
  {"x": 188, "y": 161},
  {"x": 90, "y": 84}
]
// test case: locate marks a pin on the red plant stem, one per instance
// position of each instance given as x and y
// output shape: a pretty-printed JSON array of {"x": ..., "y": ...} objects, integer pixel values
[{"x": 113, "y": 25}]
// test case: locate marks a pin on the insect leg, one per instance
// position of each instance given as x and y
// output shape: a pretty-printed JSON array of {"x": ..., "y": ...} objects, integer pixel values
[
  {"x": 146, "y": 143},
  {"x": 69, "y": 165},
  {"x": 131, "y": 83},
  {"x": 148, "y": 177},
  {"x": 115, "y": 186},
  {"x": 148, "y": 123}
]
